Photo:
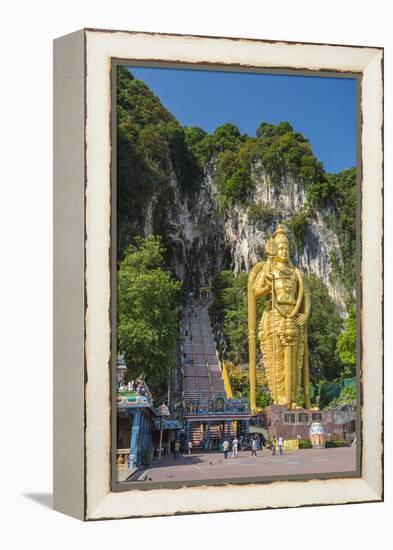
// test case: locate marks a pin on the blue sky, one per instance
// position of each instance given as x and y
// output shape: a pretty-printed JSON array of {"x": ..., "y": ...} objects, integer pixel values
[{"x": 321, "y": 108}]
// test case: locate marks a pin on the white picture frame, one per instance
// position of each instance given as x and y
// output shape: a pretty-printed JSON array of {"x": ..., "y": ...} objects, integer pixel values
[{"x": 82, "y": 245}]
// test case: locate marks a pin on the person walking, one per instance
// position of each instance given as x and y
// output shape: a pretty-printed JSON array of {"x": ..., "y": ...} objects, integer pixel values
[
  {"x": 254, "y": 447},
  {"x": 235, "y": 443},
  {"x": 189, "y": 447},
  {"x": 259, "y": 443},
  {"x": 281, "y": 444},
  {"x": 177, "y": 450},
  {"x": 273, "y": 445},
  {"x": 225, "y": 448}
]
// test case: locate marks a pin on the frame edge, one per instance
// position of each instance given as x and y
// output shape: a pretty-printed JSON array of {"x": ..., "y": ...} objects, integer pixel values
[{"x": 69, "y": 274}]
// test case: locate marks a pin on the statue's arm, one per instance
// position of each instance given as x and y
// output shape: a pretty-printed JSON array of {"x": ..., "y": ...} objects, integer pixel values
[
  {"x": 307, "y": 303},
  {"x": 306, "y": 306},
  {"x": 304, "y": 314},
  {"x": 262, "y": 285},
  {"x": 263, "y": 291}
]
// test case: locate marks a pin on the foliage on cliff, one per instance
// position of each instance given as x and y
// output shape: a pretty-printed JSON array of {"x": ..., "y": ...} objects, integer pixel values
[
  {"x": 276, "y": 150},
  {"x": 148, "y": 298},
  {"x": 151, "y": 149},
  {"x": 346, "y": 345},
  {"x": 343, "y": 220},
  {"x": 337, "y": 193},
  {"x": 281, "y": 154}
]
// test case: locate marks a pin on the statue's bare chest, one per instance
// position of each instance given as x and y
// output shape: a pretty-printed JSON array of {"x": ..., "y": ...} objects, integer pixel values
[{"x": 285, "y": 285}]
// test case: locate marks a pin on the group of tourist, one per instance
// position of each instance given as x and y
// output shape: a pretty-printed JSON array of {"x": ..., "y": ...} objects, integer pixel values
[
  {"x": 256, "y": 444},
  {"x": 240, "y": 444},
  {"x": 236, "y": 443}
]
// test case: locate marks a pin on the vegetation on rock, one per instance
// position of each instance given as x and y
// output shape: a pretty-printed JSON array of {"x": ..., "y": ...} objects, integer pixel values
[
  {"x": 346, "y": 345},
  {"x": 151, "y": 150},
  {"x": 343, "y": 220},
  {"x": 261, "y": 213},
  {"x": 298, "y": 226}
]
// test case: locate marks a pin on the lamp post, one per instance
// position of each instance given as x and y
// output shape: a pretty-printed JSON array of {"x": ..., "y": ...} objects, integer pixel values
[{"x": 162, "y": 411}]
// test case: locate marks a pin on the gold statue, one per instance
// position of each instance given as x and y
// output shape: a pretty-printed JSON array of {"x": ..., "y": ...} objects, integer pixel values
[{"x": 283, "y": 328}]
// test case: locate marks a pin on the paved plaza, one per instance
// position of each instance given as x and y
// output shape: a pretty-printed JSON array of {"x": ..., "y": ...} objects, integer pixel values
[{"x": 211, "y": 466}]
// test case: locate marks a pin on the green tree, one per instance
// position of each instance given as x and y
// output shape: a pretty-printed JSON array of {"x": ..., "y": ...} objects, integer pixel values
[
  {"x": 233, "y": 181},
  {"x": 230, "y": 307},
  {"x": 201, "y": 144},
  {"x": 148, "y": 298},
  {"x": 238, "y": 185},
  {"x": 284, "y": 152},
  {"x": 324, "y": 328},
  {"x": 270, "y": 130},
  {"x": 346, "y": 345},
  {"x": 226, "y": 137}
]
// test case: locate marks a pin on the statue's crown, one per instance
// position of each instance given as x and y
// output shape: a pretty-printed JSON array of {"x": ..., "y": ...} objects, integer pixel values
[{"x": 279, "y": 234}]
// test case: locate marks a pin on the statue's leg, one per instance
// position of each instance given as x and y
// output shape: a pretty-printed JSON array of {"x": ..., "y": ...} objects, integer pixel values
[
  {"x": 267, "y": 347},
  {"x": 279, "y": 363},
  {"x": 306, "y": 375},
  {"x": 273, "y": 357},
  {"x": 294, "y": 374},
  {"x": 288, "y": 373},
  {"x": 297, "y": 365}
]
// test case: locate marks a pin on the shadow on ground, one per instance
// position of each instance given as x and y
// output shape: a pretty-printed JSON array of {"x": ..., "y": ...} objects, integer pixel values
[{"x": 45, "y": 499}]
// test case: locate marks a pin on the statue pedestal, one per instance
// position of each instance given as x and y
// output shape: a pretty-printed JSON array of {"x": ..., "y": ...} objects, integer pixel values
[{"x": 295, "y": 423}]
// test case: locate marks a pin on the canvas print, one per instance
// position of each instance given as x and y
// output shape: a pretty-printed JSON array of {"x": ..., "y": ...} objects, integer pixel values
[{"x": 236, "y": 276}]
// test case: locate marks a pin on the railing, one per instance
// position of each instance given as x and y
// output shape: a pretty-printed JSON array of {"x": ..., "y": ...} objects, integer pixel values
[
  {"x": 206, "y": 358},
  {"x": 192, "y": 363},
  {"x": 226, "y": 380},
  {"x": 212, "y": 407},
  {"x": 122, "y": 456}
]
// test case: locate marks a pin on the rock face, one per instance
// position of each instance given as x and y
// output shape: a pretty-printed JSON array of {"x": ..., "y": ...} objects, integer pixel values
[
  {"x": 167, "y": 178},
  {"x": 202, "y": 239}
]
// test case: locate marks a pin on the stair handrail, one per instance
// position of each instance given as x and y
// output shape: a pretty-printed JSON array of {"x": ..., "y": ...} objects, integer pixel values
[{"x": 206, "y": 360}]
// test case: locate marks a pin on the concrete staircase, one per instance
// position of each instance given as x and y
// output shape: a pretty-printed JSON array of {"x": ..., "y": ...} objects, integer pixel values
[{"x": 202, "y": 374}]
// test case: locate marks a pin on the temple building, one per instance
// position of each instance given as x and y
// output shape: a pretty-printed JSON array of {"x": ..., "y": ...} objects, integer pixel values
[{"x": 135, "y": 422}]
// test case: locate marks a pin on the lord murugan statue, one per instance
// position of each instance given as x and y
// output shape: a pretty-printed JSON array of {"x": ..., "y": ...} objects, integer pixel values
[{"x": 282, "y": 330}]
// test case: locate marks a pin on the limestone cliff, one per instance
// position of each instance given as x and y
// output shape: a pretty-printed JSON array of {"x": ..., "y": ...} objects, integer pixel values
[
  {"x": 215, "y": 198},
  {"x": 203, "y": 240}
]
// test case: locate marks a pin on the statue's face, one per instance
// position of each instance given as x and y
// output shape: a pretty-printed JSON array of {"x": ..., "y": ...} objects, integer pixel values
[{"x": 282, "y": 252}]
